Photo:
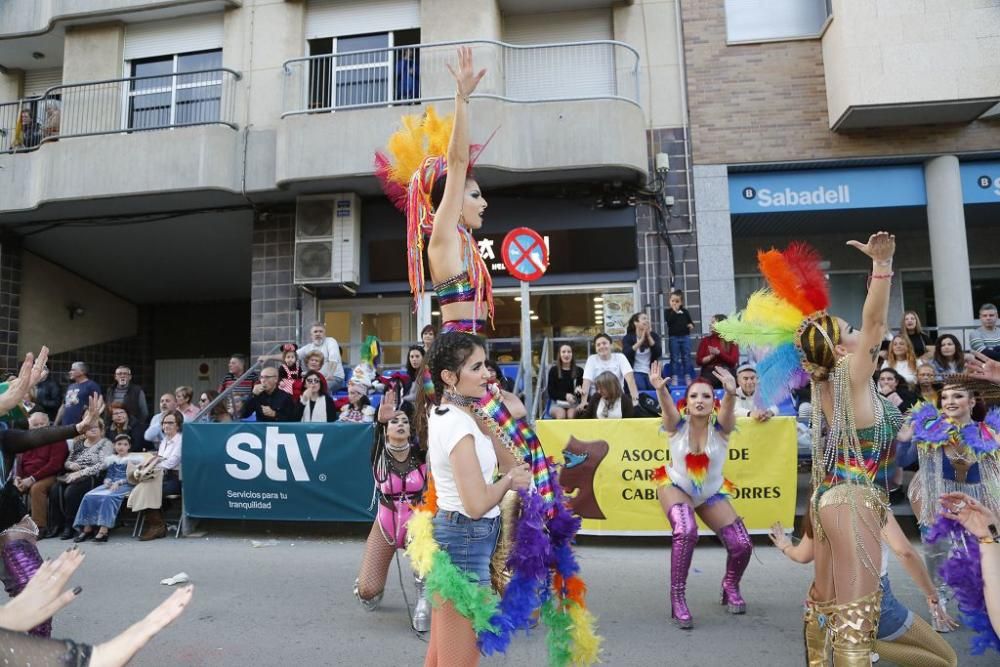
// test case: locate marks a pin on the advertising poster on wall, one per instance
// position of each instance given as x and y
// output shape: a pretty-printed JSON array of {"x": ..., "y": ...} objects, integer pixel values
[{"x": 618, "y": 307}]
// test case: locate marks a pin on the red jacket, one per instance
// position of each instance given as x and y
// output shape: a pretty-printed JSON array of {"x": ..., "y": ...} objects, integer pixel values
[
  {"x": 729, "y": 353},
  {"x": 44, "y": 461}
]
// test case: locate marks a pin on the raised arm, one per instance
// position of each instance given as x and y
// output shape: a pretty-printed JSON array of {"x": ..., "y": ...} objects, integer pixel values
[
  {"x": 444, "y": 243},
  {"x": 727, "y": 411},
  {"x": 668, "y": 410},
  {"x": 33, "y": 371},
  {"x": 880, "y": 247}
]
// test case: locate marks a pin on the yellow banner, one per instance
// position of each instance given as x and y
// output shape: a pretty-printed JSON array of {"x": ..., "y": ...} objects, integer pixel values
[{"x": 613, "y": 489}]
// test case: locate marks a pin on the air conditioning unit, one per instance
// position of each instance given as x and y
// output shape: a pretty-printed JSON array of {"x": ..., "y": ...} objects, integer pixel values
[{"x": 328, "y": 240}]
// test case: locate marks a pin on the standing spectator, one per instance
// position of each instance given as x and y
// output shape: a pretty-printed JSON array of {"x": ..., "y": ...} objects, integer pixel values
[
  {"x": 35, "y": 471},
  {"x": 358, "y": 408},
  {"x": 154, "y": 434},
  {"x": 713, "y": 352},
  {"x": 746, "y": 378},
  {"x": 412, "y": 378},
  {"x": 48, "y": 396},
  {"x": 986, "y": 338},
  {"x": 123, "y": 423},
  {"x": 315, "y": 404},
  {"x": 267, "y": 402},
  {"x": 123, "y": 391},
  {"x": 564, "y": 384},
  {"x": 407, "y": 75},
  {"x": 923, "y": 344},
  {"x": 183, "y": 396},
  {"x": 612, "y": 403},
  {"x": 50, "y": 126},
  {"x": 78, "y": 393},
  {"x": 641, "y": 346},
  {"x": 948, "y": 356},
  {"x": 237, "y": 367},
  {"x": 679, "y": 328},
  {"x": 902, "y": 359},
  {"x": 606, "y": 360},
  {"x": 80, "y": 475},
  {"x": 333, "y": 367},
  {"x": 427, "y": 337},
  {"x": 28, "y": 132}
]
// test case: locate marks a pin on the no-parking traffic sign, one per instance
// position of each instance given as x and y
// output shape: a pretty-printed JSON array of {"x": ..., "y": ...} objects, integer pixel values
[{"x": 524, "y": 254}]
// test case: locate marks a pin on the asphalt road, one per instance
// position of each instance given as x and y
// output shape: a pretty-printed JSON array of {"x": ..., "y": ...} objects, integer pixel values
[{"x": 290, "y": 602}]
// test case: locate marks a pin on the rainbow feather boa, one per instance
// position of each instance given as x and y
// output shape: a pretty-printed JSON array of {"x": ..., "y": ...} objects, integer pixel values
[
  {"x": 545, "y": 573},
  {"x": 963, "y": 573}
]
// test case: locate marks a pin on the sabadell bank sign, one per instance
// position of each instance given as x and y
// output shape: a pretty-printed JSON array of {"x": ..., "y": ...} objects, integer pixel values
[{"x": 826, "y": 189}]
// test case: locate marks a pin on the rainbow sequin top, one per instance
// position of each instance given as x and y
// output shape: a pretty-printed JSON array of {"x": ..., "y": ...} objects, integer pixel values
[{"x": 875, "y": 462}]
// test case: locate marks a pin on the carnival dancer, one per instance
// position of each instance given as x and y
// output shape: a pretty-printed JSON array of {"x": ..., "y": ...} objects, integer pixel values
[
  {"x": 956, "y": 455},
  {"x": 540, "y": 572},
  {"x": 850, "y": 461},
  {"x": 904, "y": 638},
  {"x": 694, "y": 483},
  {"x": 400, "y": 479}
]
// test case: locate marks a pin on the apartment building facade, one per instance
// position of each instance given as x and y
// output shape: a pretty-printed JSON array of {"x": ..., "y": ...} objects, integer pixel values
[
  {"x": 180, "y": 180},
  {"x": 825, "y": 120}
]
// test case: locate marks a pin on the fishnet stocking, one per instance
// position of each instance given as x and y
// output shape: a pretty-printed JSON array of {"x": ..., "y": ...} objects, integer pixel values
[
  {"x": 453, "y": 643},
  {"x": 375, "y": 564},
  {"x": 919, "y": 646}
]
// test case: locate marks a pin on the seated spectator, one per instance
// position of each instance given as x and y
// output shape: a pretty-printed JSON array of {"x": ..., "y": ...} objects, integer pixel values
[
  {"x": 564, "y": 384},
  {"x": 497, "y": 374},
  {"x": 892, "y": 385},
  {"x": 414, "y": 371},
  {"x": 314, "y": 362},
  {"x": 928, "y": 387},
  {"x": 159, "y": 476},
  {"x": 612, "y": 403},
  {"x": 604, "y": 359},
  {"x": 713, "y": 352},
  {"x": 358, "y": 408},
  {"x": 99, "y": 507},
  {"x": 315, "y": 404},
  {"x": 183, "y": 396},
  {"x": 154, "y": 434},
  {"x": 80, "y": 474},
  {"x": 268, "y": 403},
  {"x": 237, "y": 367},
  {"x": 641, "y": 346},
  {"x": 902, "y": 359},
  {"x": 921, "y": 341},
  {"x": 513, "y": 403},
  {"x": 124, "y": 391},
  {"x": 986, "y": 338},
  {"x": 218, "y": 414},
  {"x": 122, "y": 422},
  {"x": 35, "y": 471},
  {"x": 333, "y": 367},
  {"x": 746, "y": 378},
  {"x": 948, "y": 356}
]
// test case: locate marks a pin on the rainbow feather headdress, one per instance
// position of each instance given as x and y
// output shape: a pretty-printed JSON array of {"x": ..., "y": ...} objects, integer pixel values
[
  {"x": 776, "y": 317},
  {"x": 414, "y": 161}
]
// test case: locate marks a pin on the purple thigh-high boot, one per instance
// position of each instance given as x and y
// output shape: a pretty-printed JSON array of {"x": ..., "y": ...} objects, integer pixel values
[
  {"x": 685, "y": 534},
  {"x": 22, "y": 560},
  {"x": 738, "y": 545}
]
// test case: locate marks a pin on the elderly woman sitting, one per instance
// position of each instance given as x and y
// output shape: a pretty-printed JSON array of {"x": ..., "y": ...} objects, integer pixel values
[
  {"x": 81, "y": 470},
  {"x": 158, "y": 477}
]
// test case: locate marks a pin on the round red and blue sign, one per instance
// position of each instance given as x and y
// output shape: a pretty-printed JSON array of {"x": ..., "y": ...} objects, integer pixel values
[{"x": 525, "y": 254}]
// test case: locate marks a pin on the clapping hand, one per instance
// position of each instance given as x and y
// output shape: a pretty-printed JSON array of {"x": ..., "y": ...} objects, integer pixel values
[{"x": 466, "y": 78}]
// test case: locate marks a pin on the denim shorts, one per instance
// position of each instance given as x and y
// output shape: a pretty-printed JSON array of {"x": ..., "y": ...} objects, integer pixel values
[
  {"x": 895, "y": 619},
  {"x": 469, "y": 542}
]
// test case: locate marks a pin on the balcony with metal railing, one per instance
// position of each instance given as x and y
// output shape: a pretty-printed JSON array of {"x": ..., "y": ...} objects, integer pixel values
[
  {"x": 133, "y": 135},
  {"x": 32, "y": 17},
  {"x": 558, "y": 107}
]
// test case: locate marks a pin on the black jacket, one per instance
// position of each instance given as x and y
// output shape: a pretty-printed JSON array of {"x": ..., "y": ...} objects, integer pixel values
[
  {"x": 629, "y": 340},
  {"x": 279, "y": 401},
  {"x": 135, "y": 403}
]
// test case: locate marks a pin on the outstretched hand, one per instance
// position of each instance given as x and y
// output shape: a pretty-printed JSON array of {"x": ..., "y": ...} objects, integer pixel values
[
  {"x": 778, "y": 536},
  {"x": 387, "y": 408},
  {"x": 881, "y": 246},
  {"x": 120, "y": 650},
  {"x": 979, "y": 365},
  {"x": 726, "y": 378},
  {"x": 44, "y": 595},
  {"x": 466, "y": 78},
  {"x": 655, "y": 379},
  {"x": 969, "y": 512}
]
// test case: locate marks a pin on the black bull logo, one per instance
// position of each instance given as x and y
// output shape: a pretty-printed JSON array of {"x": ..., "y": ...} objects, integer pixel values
[{"x": 581, "y": 461}]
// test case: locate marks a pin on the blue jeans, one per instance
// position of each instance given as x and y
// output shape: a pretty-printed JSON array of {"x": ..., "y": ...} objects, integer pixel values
[
  {"x": 894, "y": 618},
  {"x": 469, "y": 542},
  {"x": 641, "y": 381},
  {"x": 680, "y": 358}
]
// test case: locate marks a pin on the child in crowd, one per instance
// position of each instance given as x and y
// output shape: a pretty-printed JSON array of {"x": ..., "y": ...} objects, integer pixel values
[
  {"x": 679, "y": 328},
  {"x": 289, "y": 372},
  {"x": 99, "y": 507},
  {"x": 358, "y": 408}
]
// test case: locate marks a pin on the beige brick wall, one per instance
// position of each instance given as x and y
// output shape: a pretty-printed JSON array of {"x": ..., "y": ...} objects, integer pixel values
[{"x": 767, "y": 102}]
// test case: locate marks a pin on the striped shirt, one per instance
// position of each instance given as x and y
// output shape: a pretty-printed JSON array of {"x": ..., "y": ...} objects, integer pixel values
[{"x": 983, "y": 339}]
